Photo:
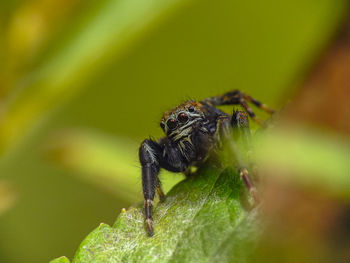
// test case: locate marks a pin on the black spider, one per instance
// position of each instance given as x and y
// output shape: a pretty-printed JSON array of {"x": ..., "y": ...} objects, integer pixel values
[{"x": 193, "y": 130}]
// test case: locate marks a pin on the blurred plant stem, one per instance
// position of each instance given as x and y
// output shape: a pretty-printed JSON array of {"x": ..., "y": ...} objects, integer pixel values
[
  {"x": 106, "y": 161},
  {"x": 308, "y": 157}
]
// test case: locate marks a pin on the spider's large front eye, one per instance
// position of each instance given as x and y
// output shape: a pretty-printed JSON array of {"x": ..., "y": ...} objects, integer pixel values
[
  {"x": 162, "y": 125},
  {"x": 182, "y": 117},
  {"x": 171, "y": 123}
]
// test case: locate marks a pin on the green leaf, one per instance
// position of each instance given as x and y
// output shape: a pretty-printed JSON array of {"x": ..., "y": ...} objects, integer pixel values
[
  {"x": 60, "y": 260},
  {"x": 200, "y": 218}
]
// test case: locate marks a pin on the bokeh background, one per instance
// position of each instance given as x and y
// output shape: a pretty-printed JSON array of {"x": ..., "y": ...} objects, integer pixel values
[{"x": 82, "y": 83}]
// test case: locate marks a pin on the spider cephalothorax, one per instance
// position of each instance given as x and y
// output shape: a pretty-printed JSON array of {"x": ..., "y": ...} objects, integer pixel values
[
  {"x": 179, "y": 122},
  {"x": 192, "y": 130}
]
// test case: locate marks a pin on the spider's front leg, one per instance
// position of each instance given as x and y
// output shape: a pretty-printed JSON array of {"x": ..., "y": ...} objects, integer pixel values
[
  {"x": 237, "y": 127},
  {"x": 149, "y": 153}
]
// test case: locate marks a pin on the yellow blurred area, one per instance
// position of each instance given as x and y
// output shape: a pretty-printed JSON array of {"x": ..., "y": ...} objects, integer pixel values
[
  {"x": 7, "y": 196},
  {"x": 26, "y": 32}
]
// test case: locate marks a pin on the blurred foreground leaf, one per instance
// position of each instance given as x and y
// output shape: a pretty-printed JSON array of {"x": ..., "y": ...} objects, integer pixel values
[
  {"x": 308, "y": 157},
  {"x": 202, "y": 220}
]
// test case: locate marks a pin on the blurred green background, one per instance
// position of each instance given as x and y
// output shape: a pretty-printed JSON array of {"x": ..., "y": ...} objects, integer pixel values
[{"x": 83, "y": 82}]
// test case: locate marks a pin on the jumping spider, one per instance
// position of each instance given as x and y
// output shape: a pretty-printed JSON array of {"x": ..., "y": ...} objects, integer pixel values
[{"x": 192, "y": 131}]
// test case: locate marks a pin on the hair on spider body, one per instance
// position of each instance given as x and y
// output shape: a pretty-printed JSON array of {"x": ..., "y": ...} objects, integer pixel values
[{"x": 193, "y": 131}]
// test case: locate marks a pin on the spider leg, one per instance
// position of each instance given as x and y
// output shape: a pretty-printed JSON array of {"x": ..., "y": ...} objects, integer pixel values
[
  {"x": 243, "y": 172},
  {"x": 160, "y": 191},
  {"x": 237, "y": 97},
  {"x": 252, "y": 115},
  {"x": 239, "y": 120},
  {"x": 153, "y": 156},
  {"x": 148, "y": 153},
  {"x": 260, "y": 105},
  {"x": 240, "y": 127},
  {"x": 241, "y": 131}
]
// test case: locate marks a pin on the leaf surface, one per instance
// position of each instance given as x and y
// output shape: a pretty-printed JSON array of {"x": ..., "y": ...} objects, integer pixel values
[
  {"x": 201, "y": 216},
  {"x": 60, "y": 260}
]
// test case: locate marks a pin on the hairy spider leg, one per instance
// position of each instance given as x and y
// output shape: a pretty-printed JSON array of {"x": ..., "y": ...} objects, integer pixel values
[
  {"x": 260, "y": 105},
  {"x": 153, "y": 156},
  {"x": 243, "y": 172},
  {"x": 241, "y": 131},
  {"x": 238, "y": 125},
  {"x": 252, "y": 115},
  {"x": 160, "y": 191},
  {"x": 148, "y": 153},
  {"x": 240, "y": 128},
  {"x": 237, "y": 97}
]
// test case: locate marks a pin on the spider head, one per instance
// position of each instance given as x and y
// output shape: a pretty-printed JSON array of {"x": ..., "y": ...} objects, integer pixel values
[{"x": 179, "y": 122}]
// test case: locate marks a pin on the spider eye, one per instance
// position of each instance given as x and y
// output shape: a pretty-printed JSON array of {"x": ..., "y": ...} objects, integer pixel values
[
  {"x": 182, "y": 117},
  {"x": 171, "y": 123},
  {"x": 191, "y": 109},
  {"x": 162, "y": 125}
]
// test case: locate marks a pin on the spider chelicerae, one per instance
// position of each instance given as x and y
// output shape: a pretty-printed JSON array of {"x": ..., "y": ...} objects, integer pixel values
[{"x": 193, "y": 132}]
